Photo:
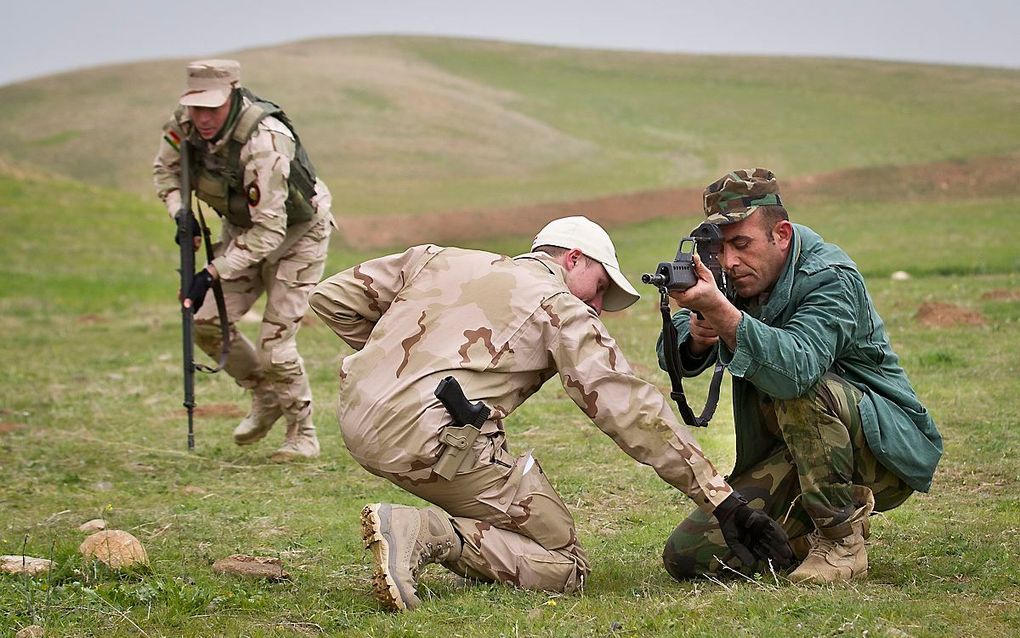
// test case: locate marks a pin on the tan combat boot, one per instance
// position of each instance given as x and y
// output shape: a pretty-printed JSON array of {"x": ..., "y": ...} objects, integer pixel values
[
  {"x": 300, "y": 442},
  {"x": 404, "y": 539},
  {"x": 265, "y": 411},
  {"x": 838, "y": 553}
]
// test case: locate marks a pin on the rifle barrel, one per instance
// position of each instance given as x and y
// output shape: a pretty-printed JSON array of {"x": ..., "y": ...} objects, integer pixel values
[{"x": 184, "y": 236}]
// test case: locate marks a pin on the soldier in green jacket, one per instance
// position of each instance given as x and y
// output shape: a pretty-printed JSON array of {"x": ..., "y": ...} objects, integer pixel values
[
  {"x": 247, "y": 163},
  {"x": 828, "y": 427}
]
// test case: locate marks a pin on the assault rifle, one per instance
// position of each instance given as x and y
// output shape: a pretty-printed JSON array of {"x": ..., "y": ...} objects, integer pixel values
[
  {"x": 680, "y": 274},
  {"x": 187, "y": 229}
]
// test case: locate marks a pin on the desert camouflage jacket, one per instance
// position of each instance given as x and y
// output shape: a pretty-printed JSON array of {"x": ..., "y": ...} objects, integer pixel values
[
  {"x": 266, "y": 160},
  {"x": 502, "y": 327}
]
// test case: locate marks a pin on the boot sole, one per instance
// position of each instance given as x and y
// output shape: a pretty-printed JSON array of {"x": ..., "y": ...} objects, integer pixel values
[
  {"x": 251, "y": 438},
  {"x": 374, "y": 531},
  {"x": 811, "y": 581},
  {"x": 255, "y": 435}
]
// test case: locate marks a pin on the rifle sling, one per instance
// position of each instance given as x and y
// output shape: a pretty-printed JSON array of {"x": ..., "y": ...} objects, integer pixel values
[
  {"x": 221, "y": 302},
  {"x": 672, "y": 353}
]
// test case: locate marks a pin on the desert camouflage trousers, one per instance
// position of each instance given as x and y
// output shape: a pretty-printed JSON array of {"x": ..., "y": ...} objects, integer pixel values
[
  {"x": 274, "y": 365},
  {"x": 807, "y": 481},
  {"x": 515, "y": 528}
]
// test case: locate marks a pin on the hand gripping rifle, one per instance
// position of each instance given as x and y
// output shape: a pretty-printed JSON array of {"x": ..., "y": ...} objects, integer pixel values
[
  {"x": 680, "y": 274},
  {"x": 187, "y": 226}
]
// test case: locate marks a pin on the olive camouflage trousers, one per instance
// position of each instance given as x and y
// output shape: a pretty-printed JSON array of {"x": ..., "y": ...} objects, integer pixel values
[
  {"x": 807, "y": 480},
  {"x": 275, "y": 364}
]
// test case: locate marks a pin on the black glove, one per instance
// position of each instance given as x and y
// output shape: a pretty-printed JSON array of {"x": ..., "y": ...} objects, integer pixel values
[
  {"x": 195, "y": 230},
  {"x": 751, "y": 534},
  {"x": 199, "y": 286}
]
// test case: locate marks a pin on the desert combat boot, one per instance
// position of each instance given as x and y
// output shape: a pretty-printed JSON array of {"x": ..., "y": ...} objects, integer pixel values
[
  {"x": 838, "y": 553},
  {"x": 300, "y": 442},
  {"x": 265, "y": 411},
  {"x": 404, "y": 539}
]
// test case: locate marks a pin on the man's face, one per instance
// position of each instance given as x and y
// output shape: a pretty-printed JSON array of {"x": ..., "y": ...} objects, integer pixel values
[
  {"x": 586, "y": 279},
  {"x": 208, "y": 120},
  {"x": 754, "y": 255}
]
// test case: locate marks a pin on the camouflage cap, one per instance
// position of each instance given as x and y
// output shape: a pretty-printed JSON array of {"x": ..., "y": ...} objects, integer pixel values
[
  {"x": 210, "y": 82},
  {"x": 739, "y": 193}
]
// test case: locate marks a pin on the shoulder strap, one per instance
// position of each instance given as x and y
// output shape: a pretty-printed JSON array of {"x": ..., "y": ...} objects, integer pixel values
[
  {"x": 258, "y": 110},
  {"x": 671, "y": 351}
]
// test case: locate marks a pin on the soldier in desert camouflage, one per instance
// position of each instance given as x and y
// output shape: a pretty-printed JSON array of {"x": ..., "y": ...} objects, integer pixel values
[
  {"x": 828, "y": 427},
  {"x": 502, "y": 327},
  {"x": 248, "y": 164}
]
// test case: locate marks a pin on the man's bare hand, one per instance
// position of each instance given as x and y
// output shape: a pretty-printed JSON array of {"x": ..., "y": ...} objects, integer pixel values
[
  {"x": 703, "y": 335},
  {"x": 701, "y": 296}
]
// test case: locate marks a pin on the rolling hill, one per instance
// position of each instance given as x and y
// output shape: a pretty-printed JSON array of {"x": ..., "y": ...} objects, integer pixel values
[{"x": 412, "y": 124}]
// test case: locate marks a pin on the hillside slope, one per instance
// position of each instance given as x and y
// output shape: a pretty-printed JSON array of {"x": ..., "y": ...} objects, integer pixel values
[{"x": 405, "y": 125}]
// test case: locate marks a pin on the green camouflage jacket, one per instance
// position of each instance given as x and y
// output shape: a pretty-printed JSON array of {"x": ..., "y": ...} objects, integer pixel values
[{"x": 819, "y": 318}]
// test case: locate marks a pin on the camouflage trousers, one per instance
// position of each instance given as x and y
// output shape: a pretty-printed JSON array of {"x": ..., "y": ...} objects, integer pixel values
[
  {"x": 806, "y": 481},
  {"x": 274, "y": 365},
  {"x": 515, "y": 528}
]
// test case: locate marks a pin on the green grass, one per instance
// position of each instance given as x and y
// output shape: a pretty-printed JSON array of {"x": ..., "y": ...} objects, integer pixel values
[
  {"x": 407, "y": 124},
  {"x": 91, "y": 374}
]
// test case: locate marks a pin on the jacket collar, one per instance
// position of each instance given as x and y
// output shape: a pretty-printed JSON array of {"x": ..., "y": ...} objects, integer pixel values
[
  {"x": 547, "y": 263},
  {"x": 781, "y": 292}
]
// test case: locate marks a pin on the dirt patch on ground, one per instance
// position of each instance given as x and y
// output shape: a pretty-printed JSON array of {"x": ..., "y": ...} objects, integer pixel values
[
  {"x": 939, "y": 181},
  {"x": 10, "y": 427},
  {"x": 217, "y": 410},
  {"x": 1002, "y": 294},
  {"x": 936, "y": 314},
  {"x": 91, "y": 319}
]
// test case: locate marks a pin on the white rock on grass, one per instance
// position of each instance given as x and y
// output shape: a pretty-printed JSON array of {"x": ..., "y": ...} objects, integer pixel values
[
  {"x": 24, "y": 565},
  {"x": 114, "y": 548},
  {"x": 900, "y": 275},
  {"x": 95, "y": 525}
]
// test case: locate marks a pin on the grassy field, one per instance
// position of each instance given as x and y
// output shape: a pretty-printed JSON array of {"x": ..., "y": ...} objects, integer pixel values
[
  {"x": 405, "y": 125},
  {"x": 92, "y": 426}
]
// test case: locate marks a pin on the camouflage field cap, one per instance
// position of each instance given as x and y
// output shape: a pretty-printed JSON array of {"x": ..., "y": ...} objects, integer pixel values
[
  {"x": 210, "y": 82},
  {"x": 592, "y": 240},
  {"x": 737, "y": 194}
]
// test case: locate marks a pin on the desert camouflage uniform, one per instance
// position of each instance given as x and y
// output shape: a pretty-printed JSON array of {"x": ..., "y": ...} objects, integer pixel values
[
  {"x": 501, "y": 327},
  {"x": 283, "y": 261}
]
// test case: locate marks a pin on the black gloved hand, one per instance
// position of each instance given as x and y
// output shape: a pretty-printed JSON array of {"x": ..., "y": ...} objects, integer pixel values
[
  {"x": 752, "y": 534},
  {"x": 199, "y": 286},
  {"x": 195, "y": 230}
]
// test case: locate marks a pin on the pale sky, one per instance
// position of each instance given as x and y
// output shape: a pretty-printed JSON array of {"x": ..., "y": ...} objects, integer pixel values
[{"x": 41, "y": 37}]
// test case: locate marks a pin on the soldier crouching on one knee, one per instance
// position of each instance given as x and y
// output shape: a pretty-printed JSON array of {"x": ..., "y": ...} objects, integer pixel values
[
  {"x": 501, "y": 327},
  {"x": 828, "y": 427},
  {"x": 248, "y": 164}
]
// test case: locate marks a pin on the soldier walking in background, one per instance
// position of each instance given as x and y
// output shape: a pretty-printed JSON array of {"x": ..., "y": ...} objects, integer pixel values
[
  {"x": 828, "y": 426},
  {"x": 248, "y": 164},
  {"x": 501, "y": 327}
]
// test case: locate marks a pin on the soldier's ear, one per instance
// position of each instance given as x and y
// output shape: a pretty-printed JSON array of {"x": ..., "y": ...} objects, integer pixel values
[
  {"x": 782, "y": 232},
  {"x": 572, "y": 258}
]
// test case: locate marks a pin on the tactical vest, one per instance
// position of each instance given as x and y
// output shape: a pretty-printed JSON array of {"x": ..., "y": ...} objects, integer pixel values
[{"x": 218, "y": 176}]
